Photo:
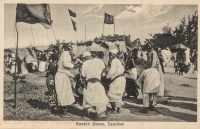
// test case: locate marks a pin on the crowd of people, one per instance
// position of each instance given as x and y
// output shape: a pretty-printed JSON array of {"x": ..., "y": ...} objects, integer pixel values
[
  {"x": 88, "y": 81},
  {"x": 9, "y": 63}
]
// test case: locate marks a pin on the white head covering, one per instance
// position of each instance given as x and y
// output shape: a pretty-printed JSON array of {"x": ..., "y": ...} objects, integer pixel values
[
  {"x": 13, "y": 55},
  {"x": 114, "y": 51},
  {"x": 85, "y": 54}
]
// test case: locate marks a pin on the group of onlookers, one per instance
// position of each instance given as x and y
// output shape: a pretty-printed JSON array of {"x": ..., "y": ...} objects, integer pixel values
[{"x": 9, "y": 63}]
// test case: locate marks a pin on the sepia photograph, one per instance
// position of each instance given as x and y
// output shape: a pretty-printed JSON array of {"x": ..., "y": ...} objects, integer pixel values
[{"x": 87, "y": 63}]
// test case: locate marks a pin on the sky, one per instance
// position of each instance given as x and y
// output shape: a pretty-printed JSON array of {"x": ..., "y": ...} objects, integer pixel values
[{"x": 138, "y": 20}]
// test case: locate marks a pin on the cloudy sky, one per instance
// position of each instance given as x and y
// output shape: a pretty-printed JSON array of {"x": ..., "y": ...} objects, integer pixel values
[{"x": 137, "y": 20}]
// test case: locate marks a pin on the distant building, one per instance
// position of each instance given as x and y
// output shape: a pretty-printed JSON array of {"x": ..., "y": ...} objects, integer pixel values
[{"x": 113, "y": 38}]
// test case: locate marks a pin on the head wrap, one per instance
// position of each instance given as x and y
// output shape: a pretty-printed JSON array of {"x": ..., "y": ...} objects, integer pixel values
[
  {"x": 54, "y": 56},
  {"x": 13, "y": 55},
  {"x": 85, "y": 54},
  {"x": 114, "y": 51},
  {"x": 67, "y": 46}
]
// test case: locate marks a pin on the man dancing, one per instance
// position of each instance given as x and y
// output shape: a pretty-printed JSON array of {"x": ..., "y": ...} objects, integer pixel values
[
  {"x": 94, "y": 93},
  {"x": 118, "y": 82}
]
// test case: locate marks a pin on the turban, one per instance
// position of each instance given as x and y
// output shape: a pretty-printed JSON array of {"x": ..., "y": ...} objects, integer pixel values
[
  {"x": 67, "y": 45},
  {"x": 114, "y": 51},
  {"x": 85, "y": 54}
]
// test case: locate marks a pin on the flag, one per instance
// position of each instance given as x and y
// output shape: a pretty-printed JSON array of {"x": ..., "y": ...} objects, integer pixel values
[
  {"x": 74, "y": 25},
  {"x": 108, "y": 19},
  {"x": 34, "y": 13},
  {"x": 73, "y": 14}
]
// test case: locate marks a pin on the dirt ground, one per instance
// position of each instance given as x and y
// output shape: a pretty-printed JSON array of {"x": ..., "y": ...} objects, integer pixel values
[{"x": 32, "y": 104}]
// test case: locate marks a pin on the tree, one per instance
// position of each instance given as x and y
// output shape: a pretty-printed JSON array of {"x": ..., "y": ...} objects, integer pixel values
[
  {"x": 166, "y": 29},
  {"x": 192, "y": 31},
  {"x": 180, "y": 31},
  {"x": 162, "y": 40},
  {"x": 187, "y": 32}
]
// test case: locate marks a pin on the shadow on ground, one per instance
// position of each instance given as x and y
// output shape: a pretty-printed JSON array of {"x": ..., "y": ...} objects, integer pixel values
[
  {"x": 161, "y": 110},
  {"x": 194, "y": 78},
  {"x": 182, "y": 98},
  {"x": 38, "y": 104}
]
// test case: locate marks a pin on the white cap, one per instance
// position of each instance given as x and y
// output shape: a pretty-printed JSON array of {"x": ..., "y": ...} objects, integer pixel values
[
  {"x": 114, "y": 51},
  {"x": 85, "y": 54}
]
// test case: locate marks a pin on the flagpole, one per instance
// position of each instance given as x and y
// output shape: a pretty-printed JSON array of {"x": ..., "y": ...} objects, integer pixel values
[
  {"x": 53, "y": 32},
  {"x": 114, "y": 24},
  {"x": 124, "y": 30},
  {"x": 85, "y": 32},
  {"x": 48, "y": 38},
  {"x": 75, "y": 37},
  {"x": 15, "y": 104},
  {"x": 124, "y": 27},
  {"x": 103, "y": 26},
  {"x": 32, "y": 36}
]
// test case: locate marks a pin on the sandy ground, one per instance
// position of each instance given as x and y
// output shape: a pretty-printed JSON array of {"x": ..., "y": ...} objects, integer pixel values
[{"x": 181, "y": 104}]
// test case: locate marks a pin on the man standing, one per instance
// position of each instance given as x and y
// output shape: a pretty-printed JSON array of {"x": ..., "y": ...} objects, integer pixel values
[
  {"x": 131, "y": 76},
  {"x": 153, "y": 62},
  {"x": 63, "y": 87},
  {"x": 118, "y": 82},
  {"x": 149, "y": 82},
  {"x": 94, "y": 93},
  {"x": 43, "y": 59},
  {"x": 194, "y": 58},
  {"x": 161, "y": 59}
]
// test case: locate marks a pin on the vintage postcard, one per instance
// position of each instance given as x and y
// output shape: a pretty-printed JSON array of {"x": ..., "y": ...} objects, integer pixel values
[{"x": 99, "y": 64}]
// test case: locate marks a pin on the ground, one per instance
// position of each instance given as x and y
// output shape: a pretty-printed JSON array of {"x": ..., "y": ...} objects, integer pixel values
[{"x": 32, "y": 103}]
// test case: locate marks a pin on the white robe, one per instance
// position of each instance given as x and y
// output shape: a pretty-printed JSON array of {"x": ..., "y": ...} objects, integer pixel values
[
  {"x": 62, "y": 82},
  {"x": 42, "y": 66},
  {"x": 117, "y": 87},
  {"x": 95, "y": 94},
  {"x": 149, "y": 81}
]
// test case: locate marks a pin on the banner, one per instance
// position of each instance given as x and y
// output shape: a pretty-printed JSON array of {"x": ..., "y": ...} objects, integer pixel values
[
  {"x": 73, "y": 14},
  {"x": 34, "y": 13},
  {"x": 108, "y": 19}
]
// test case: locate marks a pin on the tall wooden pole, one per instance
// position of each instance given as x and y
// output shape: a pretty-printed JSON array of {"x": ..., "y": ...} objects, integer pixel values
[
  {"x": 114, "y": 24},
  {"x": 124, "y": 30},
  {"x": 48, "y": 38},
  {"x": 32, "y": 36},
  {"x": 15, "y": 104},
  {"x": 85, "y": 32},
  {"x": 53, "y": 32},
  {"x": 103, "y": 28}
]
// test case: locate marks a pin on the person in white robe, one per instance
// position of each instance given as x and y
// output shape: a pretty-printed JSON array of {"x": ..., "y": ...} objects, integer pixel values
[
  {"x": 118, "y": 82},
  {"x": 94, "y": 93},
  {"x": 149, "y": 82},
  {"x": 42, "y": 63},
  {"x": 12, "y": 61},
  {"x": 63, "y": 87},
  {"x": 153, "y": 62}
]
